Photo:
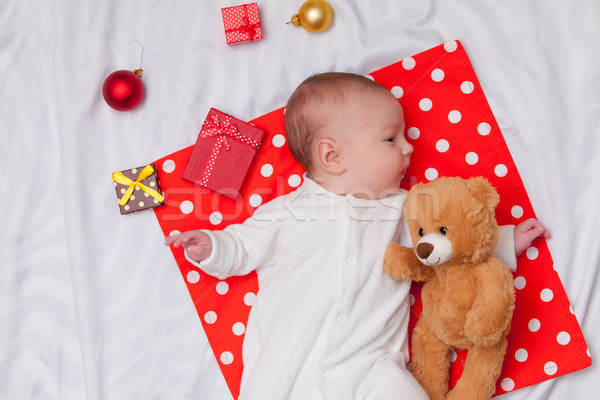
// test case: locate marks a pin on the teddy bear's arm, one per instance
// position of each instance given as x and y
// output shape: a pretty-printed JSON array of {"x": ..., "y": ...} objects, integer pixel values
[
  {"x": 492, "y": 309},
  {"x": 402, "y": 264}
]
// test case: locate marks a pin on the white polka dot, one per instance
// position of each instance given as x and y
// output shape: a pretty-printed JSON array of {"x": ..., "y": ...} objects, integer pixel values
[
  {"x": 238, "y": 329},
  {"x": 451, "y": 46},
  {"x": 425, "y": 104},
  {"x": 431, "y": 173},
  {"x": 210, "y": 317},
  {"x": 294, "y": 180},
  {"x": 408, "y": 63},
  {"x": 193, "y": 276},
  {"x": 437, "y": 75},
  {"x": 132, "y": 197},
  {"x": 532, "y": 253},
  {"x": 521, "y": 355},
  {"x": 454, "y": 116},
  {"x": 453, "y": 356},
  {"x": 134, "y": 170},
  {"x": 534, "y": 325},
  {"x": 412, "y": 300},
  {"x": 186, "y": 207},
  {"x": 126, "y": 207},
  {"x": 563, "y": 338},
  {"x": 500, "y": 170},
  {"x": 467, "y": 87},
  {"x": 215, "y": 218},
  {"x": 587, "y": 351},
  {"x": 550, "y": 368},
  {"x": 413, "y": 133},
  {"x": 471, "y": 158},
  {"x": 397, "y": 91},
  {"x": 168, "y": 166},
  {"x": 442, "y": 145},
  {"x": 226, "y": 358},
  {"x": 520, "y": 282},
  {"x": 266, "y": 170},
  {"x": 507, "y": 384},
  {"x": 546, "y": 295},
  {"x": 249, "y": 298},
  {"x": 516, "y": 211},
  {"x": 174, "y": 232},
  {"x": 278, "y": 140},
  {"x": 141, "y": 204},
  {"x": 571, "y": 310},
  {"x": 369, "y": 77},
  {"x": 222, "y": 288},
  {"x": 484, "y": 129},
  {"x": 255, "y": 200}
]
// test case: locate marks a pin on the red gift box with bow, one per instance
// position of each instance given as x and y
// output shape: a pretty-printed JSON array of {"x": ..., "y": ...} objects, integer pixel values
[
  {"x": 242, "y": 23},
  {"x": 223, "y": 153}
]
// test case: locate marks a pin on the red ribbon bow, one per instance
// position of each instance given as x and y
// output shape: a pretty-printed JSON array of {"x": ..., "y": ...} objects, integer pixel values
[{"x": 221, "y": 129}]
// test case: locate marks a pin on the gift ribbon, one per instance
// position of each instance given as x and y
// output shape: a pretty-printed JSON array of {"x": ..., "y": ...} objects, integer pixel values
[
  {"x": 246, "y": 27},
  {"x": 123, "y": 180},
  {"x": 221, "y": 129}
]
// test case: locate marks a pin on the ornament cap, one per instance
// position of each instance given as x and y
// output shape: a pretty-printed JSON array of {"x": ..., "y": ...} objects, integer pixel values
[
  {"x": 295, "y": 20},
  {"x": 138, "y": 72}
]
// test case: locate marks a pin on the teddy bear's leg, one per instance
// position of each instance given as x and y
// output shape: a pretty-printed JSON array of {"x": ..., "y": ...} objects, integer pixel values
[
  {"x": 482, "y": 370},
  {"x": 430, "y": 361}
]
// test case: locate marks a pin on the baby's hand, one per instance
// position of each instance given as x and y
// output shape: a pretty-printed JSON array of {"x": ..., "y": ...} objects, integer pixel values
[
  {"x": 197, "y": 244},
  {"x": 526, "y": 232}
]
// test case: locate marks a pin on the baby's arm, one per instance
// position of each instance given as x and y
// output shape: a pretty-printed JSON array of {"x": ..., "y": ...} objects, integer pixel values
[
  {"x": 514, "y": 240},
  {"x": 196, "y": 244},
  {"x": 526, "y": 232},
  {"x": 236, "y": 250}
]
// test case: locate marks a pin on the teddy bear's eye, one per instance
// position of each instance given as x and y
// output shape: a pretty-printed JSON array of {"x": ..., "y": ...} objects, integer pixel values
[
  {"x": 443, "y": 230},
  {"x": 421, "y": 232}
]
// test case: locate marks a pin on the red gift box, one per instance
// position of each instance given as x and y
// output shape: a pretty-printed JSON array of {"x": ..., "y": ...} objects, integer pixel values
[
  {"x": 223, "y": 153},
  {"x": 242, "y": 23}
]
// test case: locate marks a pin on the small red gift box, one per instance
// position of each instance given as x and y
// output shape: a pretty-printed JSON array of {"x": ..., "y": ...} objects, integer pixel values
[
  {"x": 223, "y": 153},
  {"x": 242, "y": 23}
]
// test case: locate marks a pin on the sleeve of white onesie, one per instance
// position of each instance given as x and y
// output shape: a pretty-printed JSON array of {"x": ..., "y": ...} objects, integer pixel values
[
  {"x": 242, "y": 248},
  {"x": 505, "y": 248}
]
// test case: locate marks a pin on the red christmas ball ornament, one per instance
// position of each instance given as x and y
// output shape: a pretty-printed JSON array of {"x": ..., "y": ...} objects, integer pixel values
[{"x": 123, "y": 90}]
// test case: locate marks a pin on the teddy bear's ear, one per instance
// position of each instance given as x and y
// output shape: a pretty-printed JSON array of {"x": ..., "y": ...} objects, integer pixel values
[{"x": 483, "y": 191}]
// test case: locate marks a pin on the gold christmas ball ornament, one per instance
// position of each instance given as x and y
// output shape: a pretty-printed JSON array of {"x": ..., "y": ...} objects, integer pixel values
[{"x": 314, "y": 16}]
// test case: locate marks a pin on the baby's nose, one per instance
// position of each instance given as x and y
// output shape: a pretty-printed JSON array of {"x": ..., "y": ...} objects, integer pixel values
[{"x": 407, "y": 149}]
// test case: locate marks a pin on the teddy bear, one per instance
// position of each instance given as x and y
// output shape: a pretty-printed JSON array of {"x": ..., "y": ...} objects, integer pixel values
[{"x": 468, "y": 296}]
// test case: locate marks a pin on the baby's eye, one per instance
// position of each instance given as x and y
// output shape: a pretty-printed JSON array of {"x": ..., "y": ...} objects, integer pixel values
[{"x": 391, "y": 139}]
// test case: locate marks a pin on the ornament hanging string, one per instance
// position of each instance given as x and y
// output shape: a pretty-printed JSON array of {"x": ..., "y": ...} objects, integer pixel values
[{"x": 138, "y": 71}]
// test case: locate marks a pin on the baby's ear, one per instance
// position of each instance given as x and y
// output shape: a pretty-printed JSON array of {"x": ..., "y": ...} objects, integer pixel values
[{"x": 329, "y": 156}]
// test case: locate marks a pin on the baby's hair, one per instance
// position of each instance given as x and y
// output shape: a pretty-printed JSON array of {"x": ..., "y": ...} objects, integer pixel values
[{"x": 303, "y": 114}]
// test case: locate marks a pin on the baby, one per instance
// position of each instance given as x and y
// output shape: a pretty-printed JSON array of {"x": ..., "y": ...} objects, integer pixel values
[{"x": 328, "y": 323}]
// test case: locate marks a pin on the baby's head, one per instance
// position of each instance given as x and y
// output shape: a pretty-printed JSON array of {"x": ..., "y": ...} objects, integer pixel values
[{"x": 348, "y": 132}]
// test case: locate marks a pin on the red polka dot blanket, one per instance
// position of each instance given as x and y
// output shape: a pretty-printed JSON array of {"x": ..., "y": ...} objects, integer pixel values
[{"x": 454, "y": 133}]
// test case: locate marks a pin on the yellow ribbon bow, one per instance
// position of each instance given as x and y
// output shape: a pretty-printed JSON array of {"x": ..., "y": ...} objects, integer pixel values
[{"x": 123, "y": 180}]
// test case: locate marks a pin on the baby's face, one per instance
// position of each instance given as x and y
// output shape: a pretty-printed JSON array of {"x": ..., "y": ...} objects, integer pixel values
[{"x": 375, "y": 151}]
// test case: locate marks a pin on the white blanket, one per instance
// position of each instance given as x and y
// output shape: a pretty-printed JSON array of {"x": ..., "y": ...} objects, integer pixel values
[{"x": 93, "y": 306}]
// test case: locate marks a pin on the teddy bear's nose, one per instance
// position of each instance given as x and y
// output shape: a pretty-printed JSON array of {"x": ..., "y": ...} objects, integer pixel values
[{"x": 424, "y": 250}]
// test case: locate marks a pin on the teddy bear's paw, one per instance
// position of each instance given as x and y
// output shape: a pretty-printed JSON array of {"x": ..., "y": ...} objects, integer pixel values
[
  {"x": 481, "y": 331},
  {"x": 484, "y": 340},
  {"x": 397, "y": 262}
]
